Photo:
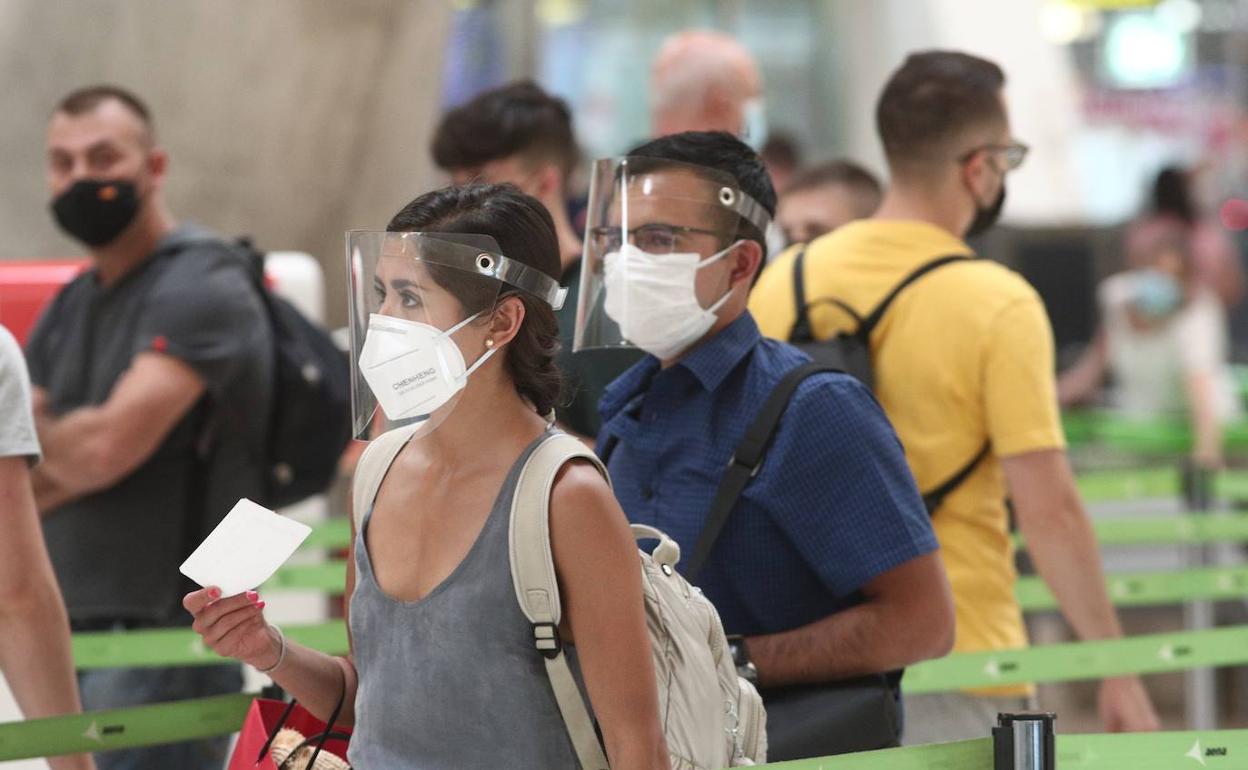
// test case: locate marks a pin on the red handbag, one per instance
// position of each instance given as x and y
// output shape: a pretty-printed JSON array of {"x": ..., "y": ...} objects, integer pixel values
[{"x": 266, "y": 717}]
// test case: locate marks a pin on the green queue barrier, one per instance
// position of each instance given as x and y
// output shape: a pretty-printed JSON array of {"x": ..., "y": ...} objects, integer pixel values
[
  {"x": 1126, "y": 484},
  {"x": 1127, "y": 589},
  {"x": 124, "y": 728},
  {"x": 1150, "y": 654},
  {"x": 335, "y": 533},
  {"x": 1073, "y": 661},
  {"x": 329, "y": 577},
  {"x": 1144, "y": 589},
  {"x": 1182, "y": 529},
  {"x": 1154, "y": 436},
  {"x": 1214, "y": 750},
  {"x": 221, "y": 715},
  {"x": 332, "y": 533},
  {"x": 182, "y": 646}
]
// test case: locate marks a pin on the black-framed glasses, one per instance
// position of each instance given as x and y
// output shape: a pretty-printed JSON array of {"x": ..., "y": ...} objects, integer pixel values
[
  {"x": 1014, "y": 153},
  {"x": 655, "y": 237}
]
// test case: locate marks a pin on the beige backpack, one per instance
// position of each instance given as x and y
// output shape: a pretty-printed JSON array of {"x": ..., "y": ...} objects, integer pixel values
[{"x": 712, "y": 718}]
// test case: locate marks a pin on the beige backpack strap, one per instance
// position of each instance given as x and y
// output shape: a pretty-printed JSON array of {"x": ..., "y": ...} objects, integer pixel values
[
  {"x": 537, "y": 589},
  {"x": 372, "y": 467}
]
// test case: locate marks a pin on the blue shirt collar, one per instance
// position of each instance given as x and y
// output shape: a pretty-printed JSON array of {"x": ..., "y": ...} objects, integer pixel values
[
  {"x": 713, "y": 360},
  {"x": 709, "y": 363}
]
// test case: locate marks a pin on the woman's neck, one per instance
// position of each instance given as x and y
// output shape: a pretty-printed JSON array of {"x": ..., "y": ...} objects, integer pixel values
[{"x": 489, "y": 412}]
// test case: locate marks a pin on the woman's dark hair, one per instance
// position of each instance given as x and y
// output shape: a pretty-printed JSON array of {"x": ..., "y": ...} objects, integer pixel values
[
  {"x": 1173, "y": 196},
  {"x": 525, "y": 233}
]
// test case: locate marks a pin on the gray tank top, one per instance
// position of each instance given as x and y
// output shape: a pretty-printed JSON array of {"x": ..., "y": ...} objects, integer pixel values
[{"x": 453, "y": 682}]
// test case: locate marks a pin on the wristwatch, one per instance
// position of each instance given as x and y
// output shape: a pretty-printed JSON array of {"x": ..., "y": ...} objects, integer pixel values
[{"x": 741, "y": 658}]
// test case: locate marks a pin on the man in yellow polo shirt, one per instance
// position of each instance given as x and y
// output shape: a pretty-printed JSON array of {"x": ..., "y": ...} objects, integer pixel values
[{"x": 962, "y": 360}]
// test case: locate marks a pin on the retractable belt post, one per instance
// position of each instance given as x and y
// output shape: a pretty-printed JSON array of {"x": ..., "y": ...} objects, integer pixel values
[{"x": 1024, "y": 742}]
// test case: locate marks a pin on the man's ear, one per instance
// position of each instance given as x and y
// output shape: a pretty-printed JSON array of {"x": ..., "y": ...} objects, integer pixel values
[
  {"x": 977, "y": 175},
  {"x": 157, "y": 162},
  {"x": 550, "y": 182},
  {"x": 748, "y": 260}
]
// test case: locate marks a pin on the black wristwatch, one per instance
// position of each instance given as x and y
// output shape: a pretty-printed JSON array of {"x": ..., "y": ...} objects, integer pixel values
[{"x": 741, "y": 658}]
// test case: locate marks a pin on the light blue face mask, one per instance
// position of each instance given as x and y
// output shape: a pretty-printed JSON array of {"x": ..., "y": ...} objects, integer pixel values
[
  {"x": 1155, "y": 294},
  {"x": 754, "y": 123}
]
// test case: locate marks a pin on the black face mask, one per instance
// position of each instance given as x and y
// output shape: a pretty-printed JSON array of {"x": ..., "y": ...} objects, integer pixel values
[
  {"x": 96, "y": 211},
  {"x": 985, "y": 218}
]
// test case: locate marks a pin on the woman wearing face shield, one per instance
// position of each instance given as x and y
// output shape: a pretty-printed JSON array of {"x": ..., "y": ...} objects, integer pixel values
[
  {"x": 443, "y": 671},
  {"x": 1163, "y": 336}
]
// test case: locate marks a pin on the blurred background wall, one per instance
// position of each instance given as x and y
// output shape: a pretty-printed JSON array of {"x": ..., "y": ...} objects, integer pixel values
[
  {"x": 290, "y": 120},
  {"x": 293, "y": 120}
]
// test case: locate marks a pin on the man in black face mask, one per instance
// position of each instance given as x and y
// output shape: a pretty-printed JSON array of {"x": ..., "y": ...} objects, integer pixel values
[
  {"x": 152, "y": 374},
  {"x": 963, "y": 366}
]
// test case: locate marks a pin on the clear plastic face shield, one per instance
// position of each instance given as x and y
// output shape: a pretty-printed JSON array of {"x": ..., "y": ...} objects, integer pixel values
[
  {"x": 420, "y": 306},
  {"x": 652, "y": 226}
]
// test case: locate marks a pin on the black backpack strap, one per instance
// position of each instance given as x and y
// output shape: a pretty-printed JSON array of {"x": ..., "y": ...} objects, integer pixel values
[
  {"x": 934, "y": 499},
  {"x": 871, "y": 321},
  {"x": 746, "y": 461},
  {"x": 802, "y": 332}
]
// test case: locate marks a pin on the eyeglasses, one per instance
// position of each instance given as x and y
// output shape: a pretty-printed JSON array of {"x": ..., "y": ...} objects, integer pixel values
[
  {"x": 656, "y": 238},
  {"x": 1014, "y": 153}
]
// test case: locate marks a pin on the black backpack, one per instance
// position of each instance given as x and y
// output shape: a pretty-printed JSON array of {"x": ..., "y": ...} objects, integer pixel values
[
  {"x": 850, "y": 352},
  {"x": 311, "y": 420}
]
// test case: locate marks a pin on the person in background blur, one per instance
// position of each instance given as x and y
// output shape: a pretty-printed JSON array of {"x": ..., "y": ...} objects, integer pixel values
[
  {"x": 1215, "y": 262},
  {"x": 821, "y": 198},
  {"x": 35, "y": 657},
  {"x": 783, "y": 158},
  {"x": 1164, "y": 337},
  {"x": 703, "y": 80},
  {"x": 963, "y": 365},
  {"x": 707, "y": 81},
  {"x": 153, "y": 390},
  {"x": 521, "y": 135}
]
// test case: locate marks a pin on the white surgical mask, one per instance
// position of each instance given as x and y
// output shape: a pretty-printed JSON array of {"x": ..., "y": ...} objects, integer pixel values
[
  {"x": 413, "y": 368},
  {"x": 652, "y": 298}
]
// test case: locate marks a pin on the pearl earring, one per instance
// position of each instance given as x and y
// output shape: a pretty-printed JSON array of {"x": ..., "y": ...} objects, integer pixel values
[{"x": 489, "y": 343}]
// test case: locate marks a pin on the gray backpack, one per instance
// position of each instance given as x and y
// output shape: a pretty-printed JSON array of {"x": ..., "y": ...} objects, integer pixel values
[{"x": 711, "y": 717}]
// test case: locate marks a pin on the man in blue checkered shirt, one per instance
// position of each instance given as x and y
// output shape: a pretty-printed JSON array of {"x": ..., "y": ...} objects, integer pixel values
[{"x": 827, "y": 564}]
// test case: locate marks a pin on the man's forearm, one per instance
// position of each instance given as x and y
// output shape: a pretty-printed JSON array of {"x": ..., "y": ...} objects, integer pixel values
[
  {"x": 35, "y": 654},
  {"x": 36, "y": 659},
  {"x": 1068, "y": 558},
  {"x": 1207, "y": 430},
  {"x": 48, "y": 493},
  {"x": 74, "y": 462},
  {"x": 861, "y": 640}
]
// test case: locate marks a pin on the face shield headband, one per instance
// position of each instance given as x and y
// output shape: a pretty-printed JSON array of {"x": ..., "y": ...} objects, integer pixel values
[
  {"x": 414, "y": 298},
  {"x": 652, "y": 226}
]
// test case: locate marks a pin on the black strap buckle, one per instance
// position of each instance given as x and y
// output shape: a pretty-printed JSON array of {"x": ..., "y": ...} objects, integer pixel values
[
  {"x": 753, "y": 469},
  {"x": 546, "y": 640}
]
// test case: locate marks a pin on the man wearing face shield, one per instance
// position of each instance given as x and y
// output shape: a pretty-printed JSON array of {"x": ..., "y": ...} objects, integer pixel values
[
  {"x": 521, "y": 135},
  {"x": 826, "y": 564},
  {"x": 963, "y": 364},
  {"x": 153, "y": 388},
  {"x": 453, "y": 339}
]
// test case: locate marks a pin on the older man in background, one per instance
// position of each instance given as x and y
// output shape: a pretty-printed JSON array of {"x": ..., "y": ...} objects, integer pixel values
[{"x": 707, "y": 81}]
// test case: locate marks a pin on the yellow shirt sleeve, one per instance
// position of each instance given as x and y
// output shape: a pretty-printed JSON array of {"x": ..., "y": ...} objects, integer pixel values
[
  {"x": 771, "y": 301},
  {"x": 1020, "y": 395}
]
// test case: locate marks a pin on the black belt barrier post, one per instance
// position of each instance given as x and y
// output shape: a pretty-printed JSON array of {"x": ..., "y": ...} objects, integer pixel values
[{"x": 1024, "y": 742}]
